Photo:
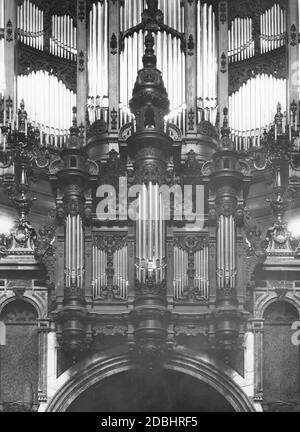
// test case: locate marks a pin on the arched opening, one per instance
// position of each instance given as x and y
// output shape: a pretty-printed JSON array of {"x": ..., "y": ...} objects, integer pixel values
[
  {"x": 138, "y": 391},
  {"x": 19, "y": 357},
  {"x": 281, "y": 361}
]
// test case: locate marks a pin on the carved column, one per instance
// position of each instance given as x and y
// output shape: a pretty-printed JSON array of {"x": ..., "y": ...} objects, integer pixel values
[
  {"x": 258, "y": 328},
  {"x": 223, "y": 74},
  {"x": 82, "y": 82},
  {"x": 114, "y": 65},
  {"x": 293, "y": 57},
  {"x": 71, "y": 174},
  {"x": 150, "y": 149},
  {"x": 10, "y": 20},
  {"x": 44, "y": 328},
  {"x": 229, "y": 177},
  {"x": 191, "y": 65}
]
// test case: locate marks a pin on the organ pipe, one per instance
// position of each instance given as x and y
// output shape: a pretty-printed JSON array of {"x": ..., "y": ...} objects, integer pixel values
[
  {"x": 30, "y": 24},
  {"x": 226, "y": 253},
  {"x": 2, "y": 60},
  {"x": 273, "y": 28},
  {"x": 74, "y": 251},
  {"x": 206, "y": 64},
  {"x": 49, "y": 105},
  {"x": 98, "y": 62},
  {"x": 150, "y": 232},
  {"x": 251, "y": 109}
]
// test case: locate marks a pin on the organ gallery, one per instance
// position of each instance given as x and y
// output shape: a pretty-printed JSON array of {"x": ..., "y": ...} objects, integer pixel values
[{"x": 149, "y": 206}]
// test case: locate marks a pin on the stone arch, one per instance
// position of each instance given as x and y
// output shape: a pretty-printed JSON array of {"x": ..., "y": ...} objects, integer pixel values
[
  {"x": 36, "y": 302},
  {"x": 266, "y": 300},
  {"x": 91, "y": 371}
]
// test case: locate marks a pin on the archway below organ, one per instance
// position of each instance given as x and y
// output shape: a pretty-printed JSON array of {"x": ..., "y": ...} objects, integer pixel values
[{"x": 138, "y": 391}]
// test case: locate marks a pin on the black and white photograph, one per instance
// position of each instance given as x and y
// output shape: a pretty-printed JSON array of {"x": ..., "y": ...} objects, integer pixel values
[{"x": 149, "y": 209}]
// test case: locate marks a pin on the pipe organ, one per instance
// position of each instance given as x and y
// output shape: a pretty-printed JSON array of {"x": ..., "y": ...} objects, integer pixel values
[
  {"x": 150, "y": 235},
  {"x": 49, "y": 105},
  {"x": 74, "y": 259},
  {"x": 240, "y": 40},
  {"x": 206, "y": 63},
  {"x": 98, "y": 62},
  {"x": 251, "y": 109},
  {"x": 30, "y": 22},
  {"x": 272, "y": 28},
  {"x": 63, "y": 42}
]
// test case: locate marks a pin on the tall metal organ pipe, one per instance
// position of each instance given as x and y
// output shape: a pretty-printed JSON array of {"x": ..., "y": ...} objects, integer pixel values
[
  {"x": 48, "y": 104},
  {"x": 273, "y": 28},
  {"x": 206, "y": 64},
  {"x": 74, "y": 251},
  {"x": 30, "y": 23},
  {"x": 2, "y": 60},
  {"x": 98, "y": 62},
  {"x": 226, "y": 253},
  {"x": 252, "y": 108},
  {"x": 63, "y": 42},
  {"x": 150, "y": 234}
]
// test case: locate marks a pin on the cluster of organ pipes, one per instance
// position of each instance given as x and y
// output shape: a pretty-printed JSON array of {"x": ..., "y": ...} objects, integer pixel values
[
  {"x": 207, "y": 69},
  {"x": 226, "y": 252},
  {"x": 99, "y": 271},
  {"x": 251, "y": 109},
  {"x": 180, "y": 278},
  {"x": 74, "y": 259},
  {"x": 49, "y": 105},
  {"x": 272, "y": 29},
  {"x": 240, "y": 41},
  {"x": 63, "y": 42},
  {"x": 120, "y": 266},
  {"x": 30, "y": 24},
  {"x": 150, "y": 235},
  {"x": 121, "y": 273},
  {"x": 98, "y": 61}
]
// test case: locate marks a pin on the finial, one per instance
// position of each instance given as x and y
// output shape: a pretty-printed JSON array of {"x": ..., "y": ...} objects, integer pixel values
[
  {"x": 149, "y": 59},
  {"x": 152, "y": 5}
]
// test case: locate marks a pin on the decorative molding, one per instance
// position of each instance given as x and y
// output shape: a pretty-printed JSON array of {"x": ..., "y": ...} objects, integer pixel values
[
  {"x": 223, "y": 63},
  {"x": 9, "y": 31},
  {"x": 32, "y": 60},
  {"x": 271, "y": 63},
  {"x": 81, "y": 61},
  {"x": 191, "y": 45},
  {"x": 114, "y": 44}
]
